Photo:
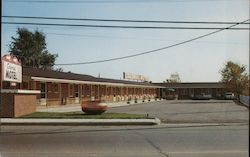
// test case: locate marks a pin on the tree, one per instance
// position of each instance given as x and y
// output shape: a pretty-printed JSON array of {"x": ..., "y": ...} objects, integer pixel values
[
  {"x": 174, "y": 78},
  {"x": 234, "y": 77},
  {"x": 59, "y": 69},
  {"x": 31, "y": 49}
]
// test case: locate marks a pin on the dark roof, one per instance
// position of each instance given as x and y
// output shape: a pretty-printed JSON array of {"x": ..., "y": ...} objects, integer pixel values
[
  {"x": 57, "y": 75},
  {"x": 34, "y": 72},
  {"x": 192, "y": 85},
  {"x": 125, "y": 82}
]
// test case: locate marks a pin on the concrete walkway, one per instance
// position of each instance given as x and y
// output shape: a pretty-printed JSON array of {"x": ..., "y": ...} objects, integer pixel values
[
  {"x": 29, "y": 121},
  {"x": 77, "y": 107},
  {"x": 64, "y": 108}
]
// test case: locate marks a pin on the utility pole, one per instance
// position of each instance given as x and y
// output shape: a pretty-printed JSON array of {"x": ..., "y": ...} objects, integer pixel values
[{"x": 1, "y": 75}]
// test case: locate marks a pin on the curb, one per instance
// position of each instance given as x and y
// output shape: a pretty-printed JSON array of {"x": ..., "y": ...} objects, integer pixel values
[
  {"x": 69, "y": 122},
  {"x": 170, "y": 125},
  {"x": 241, "y": 104}
]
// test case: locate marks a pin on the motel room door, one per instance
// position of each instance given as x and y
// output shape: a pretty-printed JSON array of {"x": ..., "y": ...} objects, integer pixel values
[
  {"x": 76, "y": 93},
  {"x": 64, "y": 93},
  {"x": 43, "y": 90},
  {"x": 43, "y": 95}
]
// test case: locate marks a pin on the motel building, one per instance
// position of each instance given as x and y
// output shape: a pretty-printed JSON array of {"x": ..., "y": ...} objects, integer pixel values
[
  {"x": 61, "y": 88},
  {"x": 24, "y": 89}
]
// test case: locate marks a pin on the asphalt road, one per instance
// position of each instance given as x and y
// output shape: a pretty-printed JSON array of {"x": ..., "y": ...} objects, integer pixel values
[
  {"x": 182, "y": 111},
  {"x": 137, "y": 141}
]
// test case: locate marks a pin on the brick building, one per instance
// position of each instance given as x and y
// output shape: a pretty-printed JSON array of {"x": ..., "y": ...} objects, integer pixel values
[
  {"x": 190, "y": 90},
  {"x": 59, "y": 88}
]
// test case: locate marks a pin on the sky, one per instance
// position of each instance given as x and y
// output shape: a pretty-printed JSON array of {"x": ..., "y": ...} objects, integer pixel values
[{"x": 196, "y": 61}]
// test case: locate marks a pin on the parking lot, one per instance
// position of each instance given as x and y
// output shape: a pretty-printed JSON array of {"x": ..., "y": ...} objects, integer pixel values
[{"x": 190, "y": 111}]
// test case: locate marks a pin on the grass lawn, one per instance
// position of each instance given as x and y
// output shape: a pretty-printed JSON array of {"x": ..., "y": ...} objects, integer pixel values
[{"x": 80, "y": 115}]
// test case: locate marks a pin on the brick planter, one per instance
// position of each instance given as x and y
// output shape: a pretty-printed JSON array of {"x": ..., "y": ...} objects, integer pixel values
[{"x": 16, "y": 103}]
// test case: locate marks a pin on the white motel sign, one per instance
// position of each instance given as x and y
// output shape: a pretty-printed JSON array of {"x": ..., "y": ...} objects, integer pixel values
[
  {"x": 130, "y": 76},
  {"x": 11, "y": 69}
]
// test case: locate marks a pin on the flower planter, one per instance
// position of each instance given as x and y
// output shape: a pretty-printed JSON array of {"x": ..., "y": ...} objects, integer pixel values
[{"x": 93, "y": 107}]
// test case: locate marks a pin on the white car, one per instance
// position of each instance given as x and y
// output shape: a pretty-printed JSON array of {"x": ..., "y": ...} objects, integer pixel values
[{"x": 229, "y": 96}]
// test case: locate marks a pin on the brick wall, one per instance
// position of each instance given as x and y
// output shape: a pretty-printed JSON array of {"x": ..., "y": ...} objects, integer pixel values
[
  {"x": 16, "y": 105},
  {"x": 24, "y": 104},
  {"x": 6, "y": 106}
]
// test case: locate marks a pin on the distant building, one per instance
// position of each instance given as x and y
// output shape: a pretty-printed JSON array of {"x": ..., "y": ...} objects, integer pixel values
[{"x": 190, "y": 90}]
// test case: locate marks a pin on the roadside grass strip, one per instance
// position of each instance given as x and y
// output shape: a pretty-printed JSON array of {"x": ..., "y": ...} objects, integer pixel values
[{"x": 81, "y": 115}]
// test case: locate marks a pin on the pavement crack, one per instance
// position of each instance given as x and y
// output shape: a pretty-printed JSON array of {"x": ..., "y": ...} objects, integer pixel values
[
  {"x": 152, "y": 144},
  {"x": 163, "y": 154}
]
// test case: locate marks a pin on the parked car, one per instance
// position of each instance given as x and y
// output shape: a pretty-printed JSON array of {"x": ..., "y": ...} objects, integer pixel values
[
  {"x": 229, "y": 96},
  {"x": 202, "y": 96}
]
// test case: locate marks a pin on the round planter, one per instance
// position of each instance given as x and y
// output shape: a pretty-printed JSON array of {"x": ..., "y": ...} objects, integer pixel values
[{"x": 94, "y": 107}]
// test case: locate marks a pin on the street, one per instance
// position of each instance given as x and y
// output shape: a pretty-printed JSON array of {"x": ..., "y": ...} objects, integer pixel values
[{"x": 228, "y": 140}]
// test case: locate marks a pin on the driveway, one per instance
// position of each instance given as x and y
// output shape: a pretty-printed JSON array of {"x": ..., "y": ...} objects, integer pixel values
[{"x": 190, "y": 111}]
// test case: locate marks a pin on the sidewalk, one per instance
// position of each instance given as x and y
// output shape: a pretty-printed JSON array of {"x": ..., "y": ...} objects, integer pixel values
[
  {"x": 77, "y": 107},
  {"x": 64, "y": 108},
  {"x": 22, "y": 121}
]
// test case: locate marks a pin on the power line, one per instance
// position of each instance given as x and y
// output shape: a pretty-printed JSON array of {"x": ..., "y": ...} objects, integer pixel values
[
  {"x": 110, "y": 1},
  {"x": 154, "y": 50},
  {"x": 117, "y": 26},
  {"x": 133, "y": 38},
  {"x": 128, "y": 37},
  {"x": 118, "y": 20}
]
